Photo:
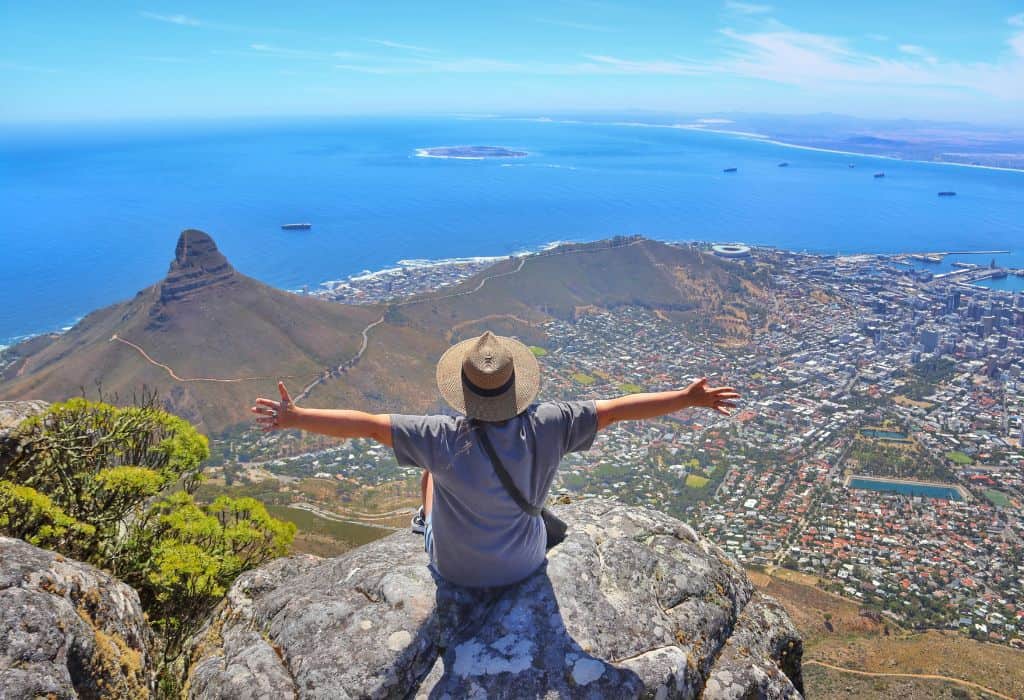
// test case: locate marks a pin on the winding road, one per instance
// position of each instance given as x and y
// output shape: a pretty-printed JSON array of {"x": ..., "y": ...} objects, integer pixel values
[{"x": 327, "y": 373}]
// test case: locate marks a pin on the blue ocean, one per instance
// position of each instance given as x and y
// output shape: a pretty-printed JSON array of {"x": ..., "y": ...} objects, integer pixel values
[{"x": 92, "y": 213}]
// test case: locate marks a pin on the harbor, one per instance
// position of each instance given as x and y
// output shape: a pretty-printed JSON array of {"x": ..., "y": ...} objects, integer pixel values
[{"x": 961, "y": 271}]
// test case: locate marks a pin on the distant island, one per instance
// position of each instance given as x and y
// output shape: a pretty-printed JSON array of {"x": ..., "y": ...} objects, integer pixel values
[{"x": 469, "y": 152}]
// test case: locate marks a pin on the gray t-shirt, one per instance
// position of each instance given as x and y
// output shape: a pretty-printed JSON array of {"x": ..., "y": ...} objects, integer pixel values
[{"x": 481, "y": 537}]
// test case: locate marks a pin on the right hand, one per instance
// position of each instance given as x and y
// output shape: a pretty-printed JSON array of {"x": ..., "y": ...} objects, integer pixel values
[
  {"x": 718, "y": 398},
  {"x": 276, "y": 415}
]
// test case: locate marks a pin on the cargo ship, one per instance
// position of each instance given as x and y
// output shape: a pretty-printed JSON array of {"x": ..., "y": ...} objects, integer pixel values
[
  {"x": 947, "y": 194},
  {"x": 783, "y": 164},
  {"x": 296, "y": 227},
  {"x": 879, "y": 174},
  {"x": 729, "y": 170}
]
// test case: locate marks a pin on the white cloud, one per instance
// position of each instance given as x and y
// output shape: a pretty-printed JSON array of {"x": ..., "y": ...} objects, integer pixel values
[
  {"x": 181, "y": 20},
  {"x": 747, "y": 8},
  {"x": 919, "y": 51},
  {"x": 785, "y": 55},
  {"x": 770, "y": 51},
  {"x": 612, "y": 64},
  {"x": 398, "y": 45},
  {"x": 1016, "y": 41}
]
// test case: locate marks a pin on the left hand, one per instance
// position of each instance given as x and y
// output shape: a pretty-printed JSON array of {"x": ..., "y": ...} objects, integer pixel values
[{"x": 276, "y": 415}]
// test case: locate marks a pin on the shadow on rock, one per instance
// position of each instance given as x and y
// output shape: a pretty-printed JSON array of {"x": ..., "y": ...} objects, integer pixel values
[{"x": 518, "y": 647}]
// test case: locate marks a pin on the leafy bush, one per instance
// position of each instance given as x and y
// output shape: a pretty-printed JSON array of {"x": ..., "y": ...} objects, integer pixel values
[{"x": 113, "y": 487}]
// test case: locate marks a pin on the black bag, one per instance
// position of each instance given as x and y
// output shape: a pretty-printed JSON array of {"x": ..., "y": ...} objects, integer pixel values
[{"x": 553, "y": 525}]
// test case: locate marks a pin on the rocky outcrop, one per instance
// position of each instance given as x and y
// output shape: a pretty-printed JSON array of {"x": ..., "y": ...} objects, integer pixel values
[
  {"x": 197, "y": 265},
  {"x": 67, "y": 629},
  {"x": 12, "y": 413},
  {"x": 632, "y": 604}
]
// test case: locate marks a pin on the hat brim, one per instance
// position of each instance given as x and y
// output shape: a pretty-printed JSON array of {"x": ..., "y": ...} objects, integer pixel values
[{"x": 489, "y": 408}]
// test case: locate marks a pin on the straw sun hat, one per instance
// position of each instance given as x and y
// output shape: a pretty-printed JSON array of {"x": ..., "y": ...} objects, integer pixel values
[{"x": 491, "y": 378}]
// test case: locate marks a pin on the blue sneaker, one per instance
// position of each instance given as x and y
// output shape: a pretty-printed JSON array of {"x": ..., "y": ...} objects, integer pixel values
[{"x": 419, "y": 523}]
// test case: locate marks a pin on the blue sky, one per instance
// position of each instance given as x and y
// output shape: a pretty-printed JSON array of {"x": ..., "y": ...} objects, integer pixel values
[{"x": 62, "y": 61}]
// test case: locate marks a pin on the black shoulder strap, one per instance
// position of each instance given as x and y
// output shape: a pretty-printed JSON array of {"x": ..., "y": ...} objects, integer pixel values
[{"x": 503, "y": 475}]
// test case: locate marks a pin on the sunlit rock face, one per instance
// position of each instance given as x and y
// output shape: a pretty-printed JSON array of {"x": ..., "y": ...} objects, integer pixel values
[
  {"x": 68, "y": 629},
  {"x": 197, "y": 265},
  {"x": 632, "y": 604}
]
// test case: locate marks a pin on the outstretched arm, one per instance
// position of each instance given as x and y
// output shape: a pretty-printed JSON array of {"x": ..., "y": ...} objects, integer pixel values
[
  {"x": 283, "y": 414},
  {"x": 641, "y": 406}
]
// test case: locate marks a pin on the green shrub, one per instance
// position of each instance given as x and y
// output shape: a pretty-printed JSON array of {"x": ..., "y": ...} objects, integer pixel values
[{"x": 113, "y": 487}]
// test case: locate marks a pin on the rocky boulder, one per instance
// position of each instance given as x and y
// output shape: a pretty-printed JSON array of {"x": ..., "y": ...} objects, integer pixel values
[
  {"x": 67, "y": 629},
  {"x": 13, "y": 412},
  {"x": 633, "y": 604}
]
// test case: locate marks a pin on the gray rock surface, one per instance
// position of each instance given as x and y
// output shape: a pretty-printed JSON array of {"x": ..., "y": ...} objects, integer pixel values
[
  {"x": 632, "y": 604},
  {"x": 13, "y": 412},
  {"x": 67, "y": 629}
]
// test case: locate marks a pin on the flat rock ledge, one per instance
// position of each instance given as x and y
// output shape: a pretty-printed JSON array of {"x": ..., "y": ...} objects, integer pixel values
[
  {"x": 632, "y": 604},
  {"x": 67, "y": 629}
]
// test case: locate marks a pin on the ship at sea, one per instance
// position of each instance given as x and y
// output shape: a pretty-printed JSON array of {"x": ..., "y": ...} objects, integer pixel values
[
  {"x": 783, "y": 164},
  {"x": 296, "y": 227},
  {"x": 879, "y": 174},
  {"x": 947, "y": 194},
  {"x": 729, "y": 170}
]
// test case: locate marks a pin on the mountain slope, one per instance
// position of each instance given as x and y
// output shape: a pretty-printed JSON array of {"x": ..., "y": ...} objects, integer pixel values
[
  {"x": 205, "y": 323},
  {"x": 204, "y": 320}
]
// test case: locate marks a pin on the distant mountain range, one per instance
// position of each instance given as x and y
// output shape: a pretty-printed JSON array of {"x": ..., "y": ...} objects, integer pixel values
[{"x": 208, "y": 339}]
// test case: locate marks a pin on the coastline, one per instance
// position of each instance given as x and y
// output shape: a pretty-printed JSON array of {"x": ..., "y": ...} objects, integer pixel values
[
  {"x": 424, "y": 263},
  {"x": 764, "y": 138}
]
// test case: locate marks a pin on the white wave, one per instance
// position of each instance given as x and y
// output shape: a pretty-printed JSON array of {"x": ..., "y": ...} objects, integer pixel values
[{"x": 421, "y": 263}]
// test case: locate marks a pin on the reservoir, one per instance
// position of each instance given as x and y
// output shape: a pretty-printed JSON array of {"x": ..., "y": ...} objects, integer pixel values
[
  {"x": 907, "y": 488},
  {"x": 883, "y": 434}
]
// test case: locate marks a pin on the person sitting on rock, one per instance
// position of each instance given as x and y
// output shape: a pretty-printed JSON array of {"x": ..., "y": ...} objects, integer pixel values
[{"x": 476, "y": 531}]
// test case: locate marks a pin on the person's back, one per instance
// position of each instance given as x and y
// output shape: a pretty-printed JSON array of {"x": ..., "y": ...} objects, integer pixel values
[
  {"x": 481, "y": 537},
  {"x": 475, "y": 531}
]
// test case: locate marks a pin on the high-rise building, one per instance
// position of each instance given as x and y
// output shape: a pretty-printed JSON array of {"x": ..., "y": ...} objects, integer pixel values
[
  {"x": 929, "y": 339},
  {"x": 953, "y": 301}
]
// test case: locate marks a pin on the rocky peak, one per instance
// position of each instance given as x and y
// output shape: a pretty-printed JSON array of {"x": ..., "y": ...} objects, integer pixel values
[{"x": 197, "y": 265}]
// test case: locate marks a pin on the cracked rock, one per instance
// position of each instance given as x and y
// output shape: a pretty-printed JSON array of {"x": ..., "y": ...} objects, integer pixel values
[{"x": 632, "y": 604}]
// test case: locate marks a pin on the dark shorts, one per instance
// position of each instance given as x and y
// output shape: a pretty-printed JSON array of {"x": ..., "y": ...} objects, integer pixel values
[{"x": 428, "y": 536}]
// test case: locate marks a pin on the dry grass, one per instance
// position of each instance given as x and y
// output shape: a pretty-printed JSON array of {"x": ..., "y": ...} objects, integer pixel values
[
  {"x": 858, "y": 642},
  {"x": 836, "y": 685}
]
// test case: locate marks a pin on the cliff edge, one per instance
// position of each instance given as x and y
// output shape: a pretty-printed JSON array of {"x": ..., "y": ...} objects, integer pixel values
[{"x": 633, "y": 604}]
